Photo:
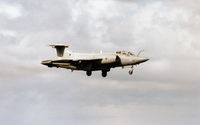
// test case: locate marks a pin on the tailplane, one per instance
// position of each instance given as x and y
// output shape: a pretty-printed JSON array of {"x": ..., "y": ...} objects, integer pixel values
[{"x": 60, "y": 49}]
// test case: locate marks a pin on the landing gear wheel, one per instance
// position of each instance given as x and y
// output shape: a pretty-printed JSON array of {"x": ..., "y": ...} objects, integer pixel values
[
  {"x": 130, "y": 72},
  {"x": 89, "y": 73},
  {"x": 104, "y": 73}
]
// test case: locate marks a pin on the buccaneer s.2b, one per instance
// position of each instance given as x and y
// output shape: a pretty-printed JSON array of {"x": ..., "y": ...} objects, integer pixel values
[{"x": 93, "y": 61}]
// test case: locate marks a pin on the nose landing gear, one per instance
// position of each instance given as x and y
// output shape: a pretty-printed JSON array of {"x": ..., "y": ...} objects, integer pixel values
[{"x": 131, "y": 71}]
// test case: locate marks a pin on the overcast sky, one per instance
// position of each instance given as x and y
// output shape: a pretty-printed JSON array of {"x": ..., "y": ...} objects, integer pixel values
[{"x": 163, "y": 91}]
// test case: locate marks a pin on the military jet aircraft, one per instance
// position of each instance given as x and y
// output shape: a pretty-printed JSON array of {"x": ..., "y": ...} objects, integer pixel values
[{"x": 93, "y": 61}]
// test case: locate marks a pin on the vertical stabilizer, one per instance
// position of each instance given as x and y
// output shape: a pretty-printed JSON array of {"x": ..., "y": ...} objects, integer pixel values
[{"x": 60, "y": 49}]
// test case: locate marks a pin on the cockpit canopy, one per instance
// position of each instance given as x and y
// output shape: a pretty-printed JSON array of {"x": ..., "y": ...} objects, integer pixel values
[{"x": 125, "y": 53}]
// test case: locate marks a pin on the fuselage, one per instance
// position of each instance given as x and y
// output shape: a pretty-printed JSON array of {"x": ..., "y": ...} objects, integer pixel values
[
  {"x": 126, "y": 58},
  {"x": 95, "y": 61}
]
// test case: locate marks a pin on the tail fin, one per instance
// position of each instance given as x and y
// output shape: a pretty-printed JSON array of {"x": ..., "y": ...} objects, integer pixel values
[{"x": 60, "y": 49}]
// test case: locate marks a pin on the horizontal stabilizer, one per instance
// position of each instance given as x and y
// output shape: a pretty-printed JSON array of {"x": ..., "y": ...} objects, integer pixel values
[{"x": 60, "y": 49}]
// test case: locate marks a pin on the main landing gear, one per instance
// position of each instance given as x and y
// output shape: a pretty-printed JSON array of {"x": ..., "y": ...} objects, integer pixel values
[
  {"x": 89, "y": 73},
  {"x": 104, "y": 73}
]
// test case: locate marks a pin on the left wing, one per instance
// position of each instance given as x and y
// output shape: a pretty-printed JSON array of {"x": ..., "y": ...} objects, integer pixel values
[
  {"x": 76, "y": 64},
  {"x": 75, "y": 60}
]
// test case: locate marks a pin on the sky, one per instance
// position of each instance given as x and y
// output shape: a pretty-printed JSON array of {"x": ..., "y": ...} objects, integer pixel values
[{"x": 163, "y": 91}]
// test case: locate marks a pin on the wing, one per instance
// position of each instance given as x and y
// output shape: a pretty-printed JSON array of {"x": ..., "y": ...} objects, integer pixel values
[
  {"x": 77, "y": 64},
  {"x": 76, "y": 60}
]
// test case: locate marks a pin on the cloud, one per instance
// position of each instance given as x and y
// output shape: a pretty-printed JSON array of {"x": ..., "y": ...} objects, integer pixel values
[
  {"x": 10, "y": 10},
  {"x": 94, "y": 101}
]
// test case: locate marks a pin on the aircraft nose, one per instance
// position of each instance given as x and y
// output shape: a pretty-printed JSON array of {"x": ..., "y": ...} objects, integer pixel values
[
  {"x": 145, "y": 59},
  {"x": 141, "y": 60}
]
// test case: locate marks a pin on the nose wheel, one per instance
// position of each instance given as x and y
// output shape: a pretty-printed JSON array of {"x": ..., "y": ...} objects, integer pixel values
[{"x": 131, "y": 71}]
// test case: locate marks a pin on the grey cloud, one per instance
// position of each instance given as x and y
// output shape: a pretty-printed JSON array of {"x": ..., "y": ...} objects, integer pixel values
[{"x": 68, "y": 100}]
